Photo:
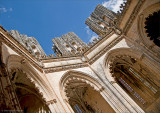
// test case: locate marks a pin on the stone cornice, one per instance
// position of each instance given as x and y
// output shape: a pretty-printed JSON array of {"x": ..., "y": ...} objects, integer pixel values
[
  {"x": 60, "y": 59},
  {"x": 133, "y": 16},
  {"x": 64, "y": 67},
  {"x": 98, "y": 43},
  {"x": 92, "y": 60}
]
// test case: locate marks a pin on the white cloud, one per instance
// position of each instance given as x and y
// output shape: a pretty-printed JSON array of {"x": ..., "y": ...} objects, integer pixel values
[
  {"x": 92, "y": 38},
  {"x": 114, "y": 5},
  {"x": 4, "y": 10},
  {"x": 91, "y": 35},
  {"x": 87, "y": 30}
]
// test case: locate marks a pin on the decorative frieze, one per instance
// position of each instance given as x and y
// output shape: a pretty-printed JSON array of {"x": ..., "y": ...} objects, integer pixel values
[{"x": 65, "y": 67}]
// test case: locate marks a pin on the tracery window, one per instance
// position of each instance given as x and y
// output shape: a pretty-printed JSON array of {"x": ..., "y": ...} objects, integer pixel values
[
  {"x": 84, "y": 98},
  {"x": 134, "y": 80},
  {"x": 78, "y": 109}
]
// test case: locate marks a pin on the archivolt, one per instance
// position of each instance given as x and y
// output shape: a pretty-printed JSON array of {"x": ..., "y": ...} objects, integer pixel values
[
  {"x": 132, "y": 58},
  {"x": 112, "y": 55},
  {"x": 72, "y": 76},
  {"x": 18, "y": 64}
]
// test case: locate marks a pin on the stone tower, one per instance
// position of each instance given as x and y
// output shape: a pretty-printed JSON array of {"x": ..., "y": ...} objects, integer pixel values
[
  {"x": 68, "y": 44},
  {"x": 101, "y": 20},
  {"x": 30, "y": 43}
]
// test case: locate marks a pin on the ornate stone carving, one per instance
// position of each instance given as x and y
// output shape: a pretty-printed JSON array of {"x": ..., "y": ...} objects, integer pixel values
[{"x": 66, "y": 67}]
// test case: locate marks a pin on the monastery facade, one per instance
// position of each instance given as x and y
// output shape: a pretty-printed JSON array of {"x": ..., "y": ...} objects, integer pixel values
[{"x": 119, "y": 72}]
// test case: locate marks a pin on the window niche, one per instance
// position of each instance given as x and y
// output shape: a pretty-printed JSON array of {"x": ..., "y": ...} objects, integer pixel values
[{"x": 134, "y": 79}]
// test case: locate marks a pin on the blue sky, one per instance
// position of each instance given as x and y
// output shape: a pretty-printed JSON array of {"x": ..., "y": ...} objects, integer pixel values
[{"x": 46, "y": 19}]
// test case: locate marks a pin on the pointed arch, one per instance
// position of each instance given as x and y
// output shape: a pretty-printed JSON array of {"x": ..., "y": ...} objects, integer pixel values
[
  {"x": 130, "y": 70},
  {"x": 72, "y": 75},
  {"x": 16, "y": 63},
  {"x": 83, "y": 93},
  {"x": 139, "y": 55}
]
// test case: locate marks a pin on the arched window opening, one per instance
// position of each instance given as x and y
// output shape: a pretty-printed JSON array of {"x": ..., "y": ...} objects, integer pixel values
[
  {"x": 133, "y": 78},
  {"x": 30, "y": 100},
  {"x": 152, "y": 26},
  {"x": 77, "y": 109},
  {"x": 83, "y": 98}
]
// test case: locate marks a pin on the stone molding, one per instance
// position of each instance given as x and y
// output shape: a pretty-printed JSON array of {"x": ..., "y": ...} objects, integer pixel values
[
  {"x": 100, "y": 41},
  {"x": 92, "y": 60},
  {"x": 28, "y": 77},
  {"x": 133, "y": 16},
  {"x": 80, "y": 76},
  {"x": 65, "y": 67},
  {"x": 60, "y": 59}
]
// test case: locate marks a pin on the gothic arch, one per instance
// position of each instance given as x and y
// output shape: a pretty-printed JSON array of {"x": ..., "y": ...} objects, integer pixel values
[
  {"x": 127, "y": 68},
  {"x": 17, "y": 64},
  {"x": 75, "y": 82},
  {"x": 72, "y": 75},
  {"x": 148, "y": 41},
  {"x": 142, "y": 57}
]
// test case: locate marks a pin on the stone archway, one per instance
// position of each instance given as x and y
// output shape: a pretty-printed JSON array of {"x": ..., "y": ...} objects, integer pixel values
[
  {"x": 29, "y": 97},
  {"x": 84, "y": 93},
  {"x": 134, "y": 77},
  {"x": 30, "y": 89}
]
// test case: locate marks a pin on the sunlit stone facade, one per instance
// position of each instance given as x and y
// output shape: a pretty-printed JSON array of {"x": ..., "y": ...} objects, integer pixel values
[{"x": 118, "y": 72}]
